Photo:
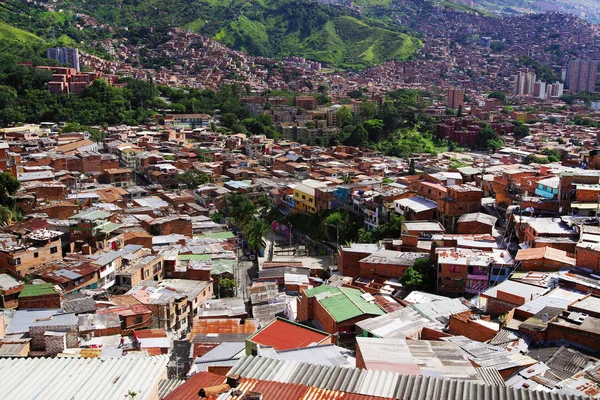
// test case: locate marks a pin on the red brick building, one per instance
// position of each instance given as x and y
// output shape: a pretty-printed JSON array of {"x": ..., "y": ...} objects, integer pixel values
[{"x": 544, "y": 259}]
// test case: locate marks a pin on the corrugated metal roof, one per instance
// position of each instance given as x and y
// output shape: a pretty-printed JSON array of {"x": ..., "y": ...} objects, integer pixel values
[
  {"x": 282, "y": 334},
  {"x": 378, "y": 383},
  {"x": 490, "y": 376},
  {"x": 80, "y": 378},
  {"x": 166, "y": 386}
]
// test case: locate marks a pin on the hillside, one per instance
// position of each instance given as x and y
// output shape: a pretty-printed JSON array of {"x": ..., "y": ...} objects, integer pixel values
[
  {"x": 273, "y": 28},
  {"x": 18, "y": 42},
  {"x": 305, "y": 28}
]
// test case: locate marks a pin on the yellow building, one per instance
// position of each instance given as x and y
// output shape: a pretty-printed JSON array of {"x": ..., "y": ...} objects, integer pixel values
[{"x": 305, "y": 195}]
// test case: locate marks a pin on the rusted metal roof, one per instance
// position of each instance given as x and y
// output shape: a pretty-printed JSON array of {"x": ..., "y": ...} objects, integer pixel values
[{"x": 223, "y": 325}]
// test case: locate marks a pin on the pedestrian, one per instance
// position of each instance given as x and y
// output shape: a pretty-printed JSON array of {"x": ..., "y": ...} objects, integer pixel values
[{"x": 122, "y": 342}]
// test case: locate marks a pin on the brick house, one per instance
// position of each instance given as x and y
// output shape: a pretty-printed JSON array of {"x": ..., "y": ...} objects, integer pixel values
[
  {"x": 337, "y": 310},
  {"x": 459, "y": 200},
  {"x": 350, "y": 256},
  {"x": 388, "y": 263},
  {"x": 36, "y": 249},
  {"x": 476, "y": 223},
  {"x": 10, "y": 288},
  {"x": 551, "y": 232},
  {"x": 281, "y": 334},
  {"x": 43, "y": 295},
  {"x": 544, "y": 259},
  {"x": 507, "y": 295},
  {"x": 135, "y": 316},
  {"x": 119, "y": 177}
]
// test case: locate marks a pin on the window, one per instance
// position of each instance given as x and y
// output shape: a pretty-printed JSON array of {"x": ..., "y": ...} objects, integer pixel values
[
  {"x": 303, "y": 197},
  {"x": 138, "y": 320},
  {"x": 36, "y": 255},
  {"x": 146, "y": 273},
  {"x": 15, "y": 261},
  {"x": 53, "y": 250},
  {"x": 454, "y": 268},
  {"x": 311, "y": 200}
]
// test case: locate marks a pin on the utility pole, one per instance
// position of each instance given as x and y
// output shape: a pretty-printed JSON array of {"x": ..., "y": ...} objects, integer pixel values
[{"x": 290, "y": 237}]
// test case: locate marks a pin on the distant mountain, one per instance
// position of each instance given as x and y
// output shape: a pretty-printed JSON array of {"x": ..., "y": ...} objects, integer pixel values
[{"x": 586, "y": 9}]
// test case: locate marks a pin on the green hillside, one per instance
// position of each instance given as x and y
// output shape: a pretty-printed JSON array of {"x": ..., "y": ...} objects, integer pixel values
[
  {"x": 273, "y": 28},
  {"x": 305, "y": 28},
  {"x": 18, "y": 42}
]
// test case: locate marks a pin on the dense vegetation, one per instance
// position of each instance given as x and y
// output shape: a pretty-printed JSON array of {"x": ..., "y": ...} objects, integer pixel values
[{"x": 272, "y": 28}]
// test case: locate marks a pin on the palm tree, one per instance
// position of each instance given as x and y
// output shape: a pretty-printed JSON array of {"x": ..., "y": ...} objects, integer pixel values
[{"x": 255, "y": 234}]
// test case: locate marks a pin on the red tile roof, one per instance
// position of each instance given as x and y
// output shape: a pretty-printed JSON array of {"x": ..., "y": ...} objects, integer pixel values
[{"x": 285, "y": 335}]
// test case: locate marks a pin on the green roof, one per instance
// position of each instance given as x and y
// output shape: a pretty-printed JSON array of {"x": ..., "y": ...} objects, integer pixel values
[
  {"x": 37, "y": 290},
  {"x": 91, "y": 215},
  {"x": 220, "y": 266},
  {"x": 109, "y": 227},
  {"x": 195, "y": 257},
  {"x": 217, "y": 235},
  {"x": 321, "y": 289},
  {"x": 345, "y": 303}
]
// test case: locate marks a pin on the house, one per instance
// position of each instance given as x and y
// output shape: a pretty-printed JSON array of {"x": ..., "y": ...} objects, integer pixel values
[
  {"x": 337, "y": 310},
  {"x": 305, "y": 199},
  {"x": 459, "y": 200},
  {"x": 281, "y": 334},
  {"x": 349, "y": 257},
  {"x": 544, "y": 259},
  {"x": 43, "y": 295},
  {"x": 10, "y": 288},
  {"x": 476, "y": 223},
  {"x": 468, "y": 270},
  {"x": 551, "y": 232},
  {"x": 416, "y": 208},
  {"x": 388, "y": 263},
  {"x": 507, "y": 295},
  {"x": 36, "y": 249}
]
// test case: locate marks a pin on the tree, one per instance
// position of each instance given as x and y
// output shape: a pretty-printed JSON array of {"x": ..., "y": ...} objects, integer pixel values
[
  {"x": 192, "y": 178},
  {"x": 365, "y": 236},
  {"x": 254, "y": 234},
  {"x": 368, "y": 110},
  {"x": 412, "y": 278},
  {"x": 497, "y": 95},
  {"x": 459, "y": 111},
  {"x": 489, "y": 139},
  {"x": 319, "y": 141},
  {"x": 358, "y": 137},
  {"x": 411, "y": 167},
  {"x": 8, "y": 187},
  {"x": 226, "y": 286},
  {"x": 521, "y": 130},
  {"x": 533, "y": 159},
  {"x": 343, "y": 117}
]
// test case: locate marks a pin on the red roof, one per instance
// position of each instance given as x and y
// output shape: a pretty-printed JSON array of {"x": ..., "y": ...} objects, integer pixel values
[
  {"x": 223, "y": 325},
  {"x": 285, "y": 335},
  {"x": 150, "y": 333},
  {"x": 126, "y": 311},
  {"x": 269, "y": 390}
]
